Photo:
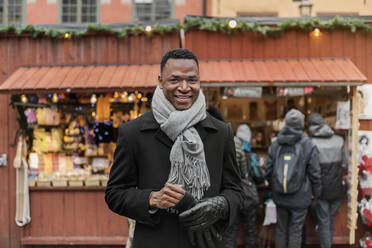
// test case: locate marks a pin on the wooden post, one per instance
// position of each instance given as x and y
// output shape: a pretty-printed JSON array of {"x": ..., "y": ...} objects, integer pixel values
[{"x": 353, "y": 204}]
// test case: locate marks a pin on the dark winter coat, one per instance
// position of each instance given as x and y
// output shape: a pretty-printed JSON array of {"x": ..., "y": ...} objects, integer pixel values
[
  {"x": 250, "y": 193},
  {"x": 332, "y": 159},
  {"x": 141, "y": 165},
  {"x": 311, "y": 186}
]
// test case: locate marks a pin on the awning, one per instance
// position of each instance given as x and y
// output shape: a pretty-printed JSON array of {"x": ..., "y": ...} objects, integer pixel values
[{"x": 213, "y": 73}]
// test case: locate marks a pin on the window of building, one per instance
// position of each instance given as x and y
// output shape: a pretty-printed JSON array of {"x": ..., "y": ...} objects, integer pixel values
[
  {"x": 152, "y": 10},
  {"x": 79, "y": 11},
  {"x": 12, "y": 11}
]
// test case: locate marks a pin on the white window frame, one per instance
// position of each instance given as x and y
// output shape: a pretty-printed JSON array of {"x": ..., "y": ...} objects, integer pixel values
[
  {"x": 79, "y": 14},
  {"x": 152, "y": 17},
  {"x": 6, "y": 17}
]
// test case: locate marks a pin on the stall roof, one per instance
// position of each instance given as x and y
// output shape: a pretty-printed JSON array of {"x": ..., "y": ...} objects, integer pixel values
[{"x": 213, "y": 73}]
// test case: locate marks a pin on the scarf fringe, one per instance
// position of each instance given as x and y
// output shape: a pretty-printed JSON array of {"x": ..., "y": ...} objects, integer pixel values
[{"x": 193, "y": 174}]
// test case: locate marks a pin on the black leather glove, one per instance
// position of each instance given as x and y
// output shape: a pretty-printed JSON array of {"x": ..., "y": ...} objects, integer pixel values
[
  {"x": 205, "y": 213},
  {"x": 205, "y": 238},
  {"x": 187, "y": 202}
]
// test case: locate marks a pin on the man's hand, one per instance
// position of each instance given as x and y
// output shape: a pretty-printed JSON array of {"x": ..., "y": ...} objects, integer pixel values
[
  {"x": 205, "y": 213},
  {"x": 167, "y": 197}
]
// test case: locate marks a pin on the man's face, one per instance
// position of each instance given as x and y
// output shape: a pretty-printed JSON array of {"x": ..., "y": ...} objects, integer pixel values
[{"x": 180, "y": 82}]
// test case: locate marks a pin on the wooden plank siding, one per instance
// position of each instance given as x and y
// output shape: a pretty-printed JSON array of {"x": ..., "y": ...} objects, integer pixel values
[{"x": 84, "y": 215}]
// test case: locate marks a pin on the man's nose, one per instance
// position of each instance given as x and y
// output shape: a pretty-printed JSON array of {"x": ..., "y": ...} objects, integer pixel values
[{"x": 184, "y": 84}]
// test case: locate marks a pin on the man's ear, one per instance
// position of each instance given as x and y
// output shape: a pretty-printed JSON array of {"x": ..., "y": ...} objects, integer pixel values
[{"x": 160, "y": 79}]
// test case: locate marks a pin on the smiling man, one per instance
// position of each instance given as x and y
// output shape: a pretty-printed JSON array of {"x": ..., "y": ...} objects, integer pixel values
[{"x": 174, "y": 167}]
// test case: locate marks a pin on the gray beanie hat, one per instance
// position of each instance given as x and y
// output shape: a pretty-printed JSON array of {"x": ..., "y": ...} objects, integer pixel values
[
  {"x": 294, "y": 119},
  {"x": 244, "y": 132},
  {"x": 315, "y": 119}
]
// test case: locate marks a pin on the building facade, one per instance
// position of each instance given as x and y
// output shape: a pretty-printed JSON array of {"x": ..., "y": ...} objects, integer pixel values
[
  {"x": 289, "y": 8},
  {"x": 22, "y": 12}
]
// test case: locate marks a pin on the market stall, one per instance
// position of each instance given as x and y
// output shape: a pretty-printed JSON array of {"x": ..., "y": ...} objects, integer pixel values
[
  {"x": 282, "y": 53},
  {"x": 63, "y": 98}
]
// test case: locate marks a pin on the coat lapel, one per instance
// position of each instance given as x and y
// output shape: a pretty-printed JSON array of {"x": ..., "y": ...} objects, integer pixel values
[
  {"x": 205, "y": 127},
  {"x": 149, "y": 123}
]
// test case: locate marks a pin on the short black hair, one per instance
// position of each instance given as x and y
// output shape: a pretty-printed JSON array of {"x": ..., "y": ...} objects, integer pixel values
[{"x": 179, "y": 53}]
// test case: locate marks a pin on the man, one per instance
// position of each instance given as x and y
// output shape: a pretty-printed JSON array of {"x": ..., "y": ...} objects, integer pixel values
[
  {"x": 174, "y": 167},
  {"x": 332, "y": 158},
  {"x": 292, "y": 167},
  {"x": 245, "y": 158}
]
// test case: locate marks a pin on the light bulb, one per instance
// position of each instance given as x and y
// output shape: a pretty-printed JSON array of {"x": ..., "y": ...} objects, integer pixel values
[
  {"x": 55, "y": 98},
  {"x": 93, "y": 99},
  {"x": 24, "y": 98},
  {"x": 316, "y": 32},
  {"x": 148, "y": 29},
  {"x": 232, "y": 24}
]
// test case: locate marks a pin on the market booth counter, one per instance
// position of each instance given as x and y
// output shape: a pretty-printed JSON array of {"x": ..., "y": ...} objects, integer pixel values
[{"x": 69, "y": 122}]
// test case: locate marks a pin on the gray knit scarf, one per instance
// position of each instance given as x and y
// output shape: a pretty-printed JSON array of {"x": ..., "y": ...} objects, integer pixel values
[{"x": 188, "y": 166}]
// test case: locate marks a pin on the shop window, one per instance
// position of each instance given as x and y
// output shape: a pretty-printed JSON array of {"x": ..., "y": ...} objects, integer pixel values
[
  {"x": 79, "y": 11},
  {"x": 152, "y": 10},
  {"x": 12, "y": 11}
]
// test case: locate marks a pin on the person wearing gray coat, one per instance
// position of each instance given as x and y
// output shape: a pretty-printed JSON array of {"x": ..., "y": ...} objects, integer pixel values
[{"x": 333, "y": 159}]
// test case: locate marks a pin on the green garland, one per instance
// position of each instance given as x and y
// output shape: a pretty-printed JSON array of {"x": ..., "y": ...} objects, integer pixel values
[{"x": 197, "y": 23}]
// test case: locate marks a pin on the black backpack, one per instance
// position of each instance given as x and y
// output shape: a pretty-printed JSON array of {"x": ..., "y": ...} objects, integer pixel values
[{"x": 289, "y": 168}]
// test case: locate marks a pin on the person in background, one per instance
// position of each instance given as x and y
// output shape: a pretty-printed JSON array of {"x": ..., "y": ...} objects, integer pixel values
[
  {"x": 333, "y": 160},
  {"x": 292, "y": 168},
  {"x": 174, "y": 169},
  {"x": 213, "y": 111},
  {"x": 246, "y": 160}
]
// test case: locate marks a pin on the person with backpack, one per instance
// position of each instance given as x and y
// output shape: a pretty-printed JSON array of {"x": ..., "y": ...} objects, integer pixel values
[
  {"x": 292, "y": 168},
  {"x": 251, "y": 175},
  {"x": 333, "y": 160}
]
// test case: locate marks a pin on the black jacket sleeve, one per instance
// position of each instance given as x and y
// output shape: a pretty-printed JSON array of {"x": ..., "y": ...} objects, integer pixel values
[
  {"x": 231, "y": 181},
  {"x": 269, "y": 163},
  {"x": 122, "y": 195},
  {"x": 313, "y": 170}
]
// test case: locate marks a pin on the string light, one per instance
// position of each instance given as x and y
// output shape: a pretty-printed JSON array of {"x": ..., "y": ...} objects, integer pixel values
[
  {"x": 232, "y": 24},
  {"x": 148, "y": 29},
  {"x": 316, "y": 32},
  {"x": 24, "y": 98},
  {"x": 55, "y": 98},
  {"x": 124, "y": 94},
  {"x": 93, "y": 99},
  {"x": 66, "y": 36}
]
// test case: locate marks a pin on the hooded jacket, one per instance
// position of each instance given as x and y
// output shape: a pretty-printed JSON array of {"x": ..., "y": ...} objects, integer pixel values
[
  {"x": 332, "y": 158},
  {"x": 291, "y": 134}
]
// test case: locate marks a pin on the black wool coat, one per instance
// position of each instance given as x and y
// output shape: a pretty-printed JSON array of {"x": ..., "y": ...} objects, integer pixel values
[{"x": 141, "y": 165}]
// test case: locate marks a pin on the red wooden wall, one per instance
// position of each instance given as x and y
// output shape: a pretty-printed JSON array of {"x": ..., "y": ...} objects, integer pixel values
[
  {"x": 24, "y": 50},
  {"x": 72, "y": 216}
]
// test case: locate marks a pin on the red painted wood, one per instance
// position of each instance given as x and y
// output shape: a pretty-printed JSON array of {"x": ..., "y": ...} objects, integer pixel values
[{"x": 72, "y": 216}]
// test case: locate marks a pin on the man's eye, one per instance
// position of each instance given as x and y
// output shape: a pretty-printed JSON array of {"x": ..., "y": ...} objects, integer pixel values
[{"x": 193, "y": 80}]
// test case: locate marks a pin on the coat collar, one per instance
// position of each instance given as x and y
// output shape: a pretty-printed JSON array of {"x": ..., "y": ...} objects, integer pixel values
[{"x": 149, "y": 123}]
